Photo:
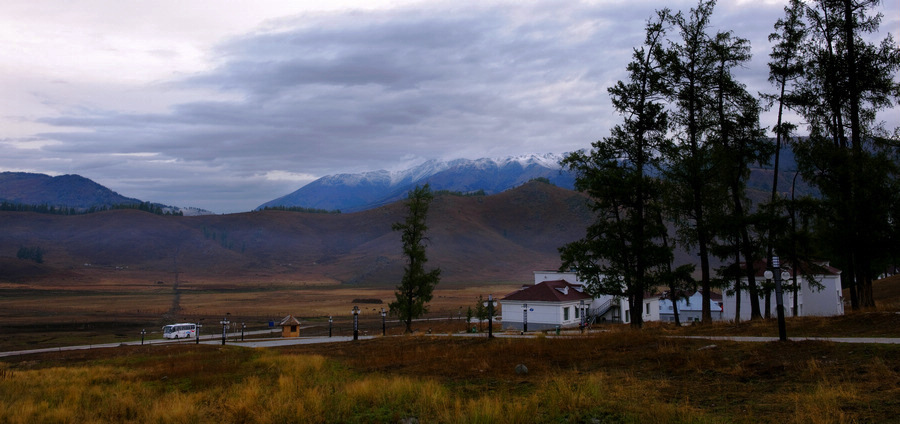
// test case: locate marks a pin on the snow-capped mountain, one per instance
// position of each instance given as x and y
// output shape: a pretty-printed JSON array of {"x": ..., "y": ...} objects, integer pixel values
[{"x": 355, "y": 192}]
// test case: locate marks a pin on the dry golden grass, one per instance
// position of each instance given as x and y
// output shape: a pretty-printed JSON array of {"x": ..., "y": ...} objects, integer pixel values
[{"x": 618, "y": 377}]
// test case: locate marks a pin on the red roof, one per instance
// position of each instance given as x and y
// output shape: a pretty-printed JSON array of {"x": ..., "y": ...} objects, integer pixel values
[{"x": 549, "y": 291}]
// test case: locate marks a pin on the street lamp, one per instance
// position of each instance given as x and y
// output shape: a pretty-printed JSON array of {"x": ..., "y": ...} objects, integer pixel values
[
  {"x": 330, "y": 321},
  {"x": 524, "y": 318},
  {"x": 143, "y": 331},
  {"x": 383, "y": 328},
  {"x": 243, "y": 326},
  {"x": 197, "y": 333},
  {"x": 490, "y": 304},
  {"x": 355, "y": 312},
  {"x": 779, "y": 301},
  {"x": 224, "y": 323},
  {"x": 582, "y": 315}
]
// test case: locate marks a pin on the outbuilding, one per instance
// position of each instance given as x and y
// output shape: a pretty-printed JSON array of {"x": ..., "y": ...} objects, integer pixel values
[{"x": 290, "y": 327}]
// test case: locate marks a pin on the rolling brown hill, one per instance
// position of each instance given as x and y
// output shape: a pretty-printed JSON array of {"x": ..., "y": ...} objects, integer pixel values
[{"x": 500, "y": 238}]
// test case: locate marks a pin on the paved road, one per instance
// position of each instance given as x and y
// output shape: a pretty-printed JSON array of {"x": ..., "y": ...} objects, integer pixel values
[
  {"x": 274, "y": 342},
  {"x": 205, "y": 339}
]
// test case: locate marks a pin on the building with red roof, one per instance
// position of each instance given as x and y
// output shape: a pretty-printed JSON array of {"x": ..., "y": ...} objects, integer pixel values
[
  {"x": 546, "y": 305},
  {"x": 559, "y": 299}
]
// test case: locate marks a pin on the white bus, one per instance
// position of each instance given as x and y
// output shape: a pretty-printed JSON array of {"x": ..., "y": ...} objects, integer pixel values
[{"x": 180, "y": 331}]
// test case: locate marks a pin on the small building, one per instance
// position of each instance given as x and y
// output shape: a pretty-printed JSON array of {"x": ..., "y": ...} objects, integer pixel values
[
  {"x": 819, "y": 292},
  {"x": 604, "y": 308},
  {"x": 690, "y": 307},
  {"x": 290, "y": 327},
  {"x": 548, "y": 304}
]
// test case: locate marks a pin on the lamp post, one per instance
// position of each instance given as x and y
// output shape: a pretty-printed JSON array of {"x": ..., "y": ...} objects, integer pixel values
[
  {"x": 524, "y": 318},
  {"x": 243, "y": 326},
  {"x": 383, "y": 328},
  {"x": 224, "y": 323},
  {"x": 330, "y": 321},
  {"x": 197, "y": 334},
  {"x": 143, "y": 331},
  {"x": 583, "y": 320},
  {"x": 490, "y": 305},
  {"x": 355, "y": 312},
  {"x": 779, "y": 301}
]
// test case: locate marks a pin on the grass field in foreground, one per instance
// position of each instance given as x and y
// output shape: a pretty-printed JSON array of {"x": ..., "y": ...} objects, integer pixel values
[{"x": 622, "y": 376}]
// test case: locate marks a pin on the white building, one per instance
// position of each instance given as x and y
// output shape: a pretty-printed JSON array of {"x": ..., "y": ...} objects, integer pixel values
[
  {"x": 690, "y": 308},
  {"x": 822, "y": 299},
  {"x": 604, "y": 308},
  {"x": 546, "y": 305}
]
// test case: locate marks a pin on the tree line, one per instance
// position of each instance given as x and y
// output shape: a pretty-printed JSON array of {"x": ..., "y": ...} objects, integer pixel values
[
  {"x": 300, "y": 209},
  {"x": 674, "y": 172},
  {"x": 67, "y": 210}
]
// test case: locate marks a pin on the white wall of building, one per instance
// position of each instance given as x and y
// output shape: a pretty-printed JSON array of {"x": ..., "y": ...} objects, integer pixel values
[
  {"x": 541, "y": 315},
  {"x": 571, "y": 277},
  {"x": 810, "y": 301},
  {"x": 826, "y": 302},
  {"x": 651, "y": 309},
  {"x": 689, "y": 309}
]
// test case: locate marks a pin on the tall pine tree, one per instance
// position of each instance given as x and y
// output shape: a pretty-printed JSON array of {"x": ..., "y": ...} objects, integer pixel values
[
  {"x": 690, "y": 167},
  {"x": 417, "y": 285},
  {"x": 847, "y": 80},
  {"x": 623, "y": 253}
]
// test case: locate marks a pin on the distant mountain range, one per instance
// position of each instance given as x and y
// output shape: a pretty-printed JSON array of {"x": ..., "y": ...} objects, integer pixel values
[
  {"x": 362, "y": 191},
  {"x": 356, "y": 192},
  {"x": 499, "y": 238},
  {"x": 73, "y": 191},
  {"x": 68, "y": 191}
]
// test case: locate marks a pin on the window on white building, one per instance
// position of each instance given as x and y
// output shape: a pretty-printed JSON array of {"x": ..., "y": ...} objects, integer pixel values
[{"x": 565, "y": 314}]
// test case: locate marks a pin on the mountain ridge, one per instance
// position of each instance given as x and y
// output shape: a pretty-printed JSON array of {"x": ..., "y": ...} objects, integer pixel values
[
  {"x": 499, "y": 238},
  {"x": 69, "y": 191},
  {"x": 366, "y": 190}
]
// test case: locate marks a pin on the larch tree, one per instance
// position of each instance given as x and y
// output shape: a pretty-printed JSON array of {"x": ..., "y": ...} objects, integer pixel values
[
  {"x": 848, "y": 156},
  {"x": 690, "y": 170},
  {"x": 622, "y": 253},
  {"x": 785, "y": 68},
  {"x": 737, "y": 142},
  {"x": 417, "y": 286}
]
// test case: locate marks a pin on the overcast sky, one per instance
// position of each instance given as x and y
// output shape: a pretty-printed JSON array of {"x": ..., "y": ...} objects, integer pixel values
[{"x": 225, "y": 105}]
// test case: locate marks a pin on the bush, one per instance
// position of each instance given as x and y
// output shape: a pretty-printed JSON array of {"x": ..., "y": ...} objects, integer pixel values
[{"x": 34, "y": 253}]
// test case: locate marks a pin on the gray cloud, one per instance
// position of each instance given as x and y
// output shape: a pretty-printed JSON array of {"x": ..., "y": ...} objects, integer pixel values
[{"x": 347, "y": 92}]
